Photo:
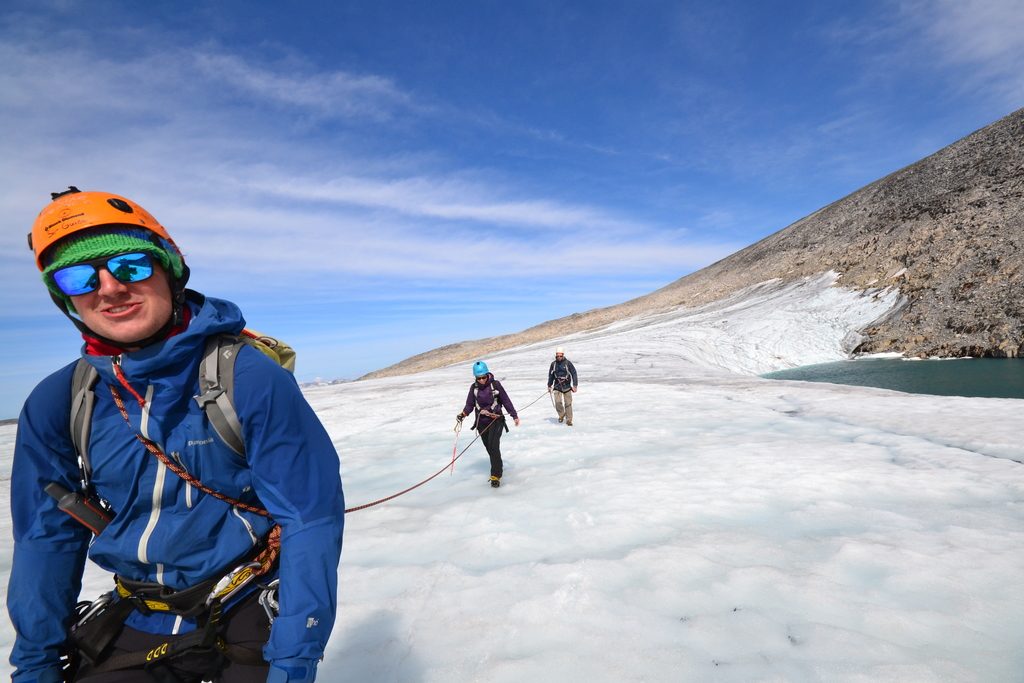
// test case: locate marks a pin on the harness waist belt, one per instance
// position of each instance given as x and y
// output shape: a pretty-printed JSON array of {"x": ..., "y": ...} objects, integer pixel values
[
  {"x": 188, "y": 602},
  {"x": 194, "y": 600}
]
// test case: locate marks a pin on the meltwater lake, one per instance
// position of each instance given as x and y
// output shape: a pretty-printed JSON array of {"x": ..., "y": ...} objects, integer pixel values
[{"x": 990, "y": 377}]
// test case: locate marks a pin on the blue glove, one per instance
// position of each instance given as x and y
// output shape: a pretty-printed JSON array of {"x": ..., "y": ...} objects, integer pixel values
[{"x": 292, "y": 671}]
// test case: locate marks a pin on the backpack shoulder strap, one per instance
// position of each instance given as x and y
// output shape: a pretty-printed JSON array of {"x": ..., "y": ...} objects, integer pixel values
[
  {"x": 217, "y": 389},
  {"x": 83, "y": 399},
  {"x": 496, "y": 390}
]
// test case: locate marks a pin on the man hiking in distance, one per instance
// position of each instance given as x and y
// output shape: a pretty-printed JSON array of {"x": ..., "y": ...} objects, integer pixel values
[{"x": 563, "y": 380}]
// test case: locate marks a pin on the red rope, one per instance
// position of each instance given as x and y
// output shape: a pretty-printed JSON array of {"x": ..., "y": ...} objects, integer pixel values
[
  {"x": 184, "y": 474},
  {"x": 451, "y": 464},
  {"x": 455, "y": 445},
  {"x": 416, "y": 486}
]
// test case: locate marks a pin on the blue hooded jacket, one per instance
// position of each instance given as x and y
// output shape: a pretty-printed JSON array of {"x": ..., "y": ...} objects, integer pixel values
[{"x": 165, "y": 530}]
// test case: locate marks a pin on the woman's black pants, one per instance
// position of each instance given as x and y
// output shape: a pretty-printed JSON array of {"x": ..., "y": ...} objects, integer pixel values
[{"x": 491, "y": 436}]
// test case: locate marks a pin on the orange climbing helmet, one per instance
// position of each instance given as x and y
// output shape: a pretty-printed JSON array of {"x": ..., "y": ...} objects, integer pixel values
[
  {"x": 122, "y": 226},
  {"x": 72, "y": 211}
]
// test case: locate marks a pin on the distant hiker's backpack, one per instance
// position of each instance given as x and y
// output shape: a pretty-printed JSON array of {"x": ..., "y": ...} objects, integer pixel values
[
  {"x": 216, "y": 390},
  {"x": 560, "y": 371}
]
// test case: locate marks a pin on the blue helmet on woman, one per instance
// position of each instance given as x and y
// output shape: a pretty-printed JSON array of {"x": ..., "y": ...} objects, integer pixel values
[{"x": 480, "y": 369}]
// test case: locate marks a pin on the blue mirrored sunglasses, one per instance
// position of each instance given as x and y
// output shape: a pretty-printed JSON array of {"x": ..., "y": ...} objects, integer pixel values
[{"x": 84, "y": 277}]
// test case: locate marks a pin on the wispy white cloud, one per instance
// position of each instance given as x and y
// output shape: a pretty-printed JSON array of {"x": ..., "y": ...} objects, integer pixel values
[
  {"x": 261, "y": 200},
  {"x": 974, "y": 46},
  {"x": 986, "y": 37},
  {"x": 331, "y": 94},
  {"x": 62, "y": 76},
  {"x": 333, "y": 240},
  {"x": 450, "y": 198}
]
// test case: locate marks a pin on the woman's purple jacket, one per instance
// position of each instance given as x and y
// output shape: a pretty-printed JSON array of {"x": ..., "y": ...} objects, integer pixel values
[{"x": 484, "y": 397}]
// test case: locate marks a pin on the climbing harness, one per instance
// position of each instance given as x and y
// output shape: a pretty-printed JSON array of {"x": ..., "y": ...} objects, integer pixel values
[
  {"x": 268, "y": 600},
  {"x": 100, "y": 621}
]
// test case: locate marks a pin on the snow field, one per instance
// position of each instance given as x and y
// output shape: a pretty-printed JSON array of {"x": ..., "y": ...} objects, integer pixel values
[
  {"x": 704, "y": 538},
  {"x": 694, "y": 525}
]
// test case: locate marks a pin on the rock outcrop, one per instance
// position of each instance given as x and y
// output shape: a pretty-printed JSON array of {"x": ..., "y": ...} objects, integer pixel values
[{"x": 948, "y": 231}]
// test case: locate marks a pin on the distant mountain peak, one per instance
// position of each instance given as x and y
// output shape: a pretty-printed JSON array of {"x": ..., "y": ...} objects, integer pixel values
[{"x": 948, "y": 231}]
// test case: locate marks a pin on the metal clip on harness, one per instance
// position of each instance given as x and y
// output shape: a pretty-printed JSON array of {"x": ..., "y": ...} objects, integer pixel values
[{"x": 268, "y": 600}]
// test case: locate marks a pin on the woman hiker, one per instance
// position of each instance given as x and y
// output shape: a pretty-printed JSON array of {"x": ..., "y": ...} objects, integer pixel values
[{"x": 486, "y": 398}]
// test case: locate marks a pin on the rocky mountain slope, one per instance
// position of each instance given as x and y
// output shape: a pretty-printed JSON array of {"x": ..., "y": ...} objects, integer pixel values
[{"x": 948, "y": 231}]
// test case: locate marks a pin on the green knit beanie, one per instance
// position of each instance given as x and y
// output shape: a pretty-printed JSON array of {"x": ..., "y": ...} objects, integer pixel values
[{"x": 110, "y": 241}]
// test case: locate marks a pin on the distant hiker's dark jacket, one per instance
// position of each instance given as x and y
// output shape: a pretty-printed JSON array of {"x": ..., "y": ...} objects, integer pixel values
[
  {"x": 562, "y": 375},
  {"x": 482, "y": 398},
  {"x": 165, "y": 530}
]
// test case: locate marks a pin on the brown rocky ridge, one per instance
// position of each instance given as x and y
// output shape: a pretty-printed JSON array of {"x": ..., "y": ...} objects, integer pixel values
[{"x": 948, "y": 231}]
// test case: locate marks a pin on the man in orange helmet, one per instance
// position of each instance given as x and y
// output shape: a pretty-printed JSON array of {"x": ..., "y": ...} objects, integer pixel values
[{"x": 121, "y": 457}]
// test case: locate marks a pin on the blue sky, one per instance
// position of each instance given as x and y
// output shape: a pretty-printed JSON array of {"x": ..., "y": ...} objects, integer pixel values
[{"x": 372, "y": 180}]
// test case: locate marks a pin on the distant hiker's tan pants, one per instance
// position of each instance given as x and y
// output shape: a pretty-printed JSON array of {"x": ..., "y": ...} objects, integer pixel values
[{"x": 563, "y": 404}]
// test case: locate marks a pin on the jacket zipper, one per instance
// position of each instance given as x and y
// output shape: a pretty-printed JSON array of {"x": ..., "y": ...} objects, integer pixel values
[
  {"x": 248, "y": 526},
  {"x": 156, "y": 501},
  {"x": 188, "y": 487}
]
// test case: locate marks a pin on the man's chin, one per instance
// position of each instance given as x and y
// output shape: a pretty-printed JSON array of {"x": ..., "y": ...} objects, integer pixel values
[
  {"x": 123, "y": 328},
  {"x": 126, "y": 335}
]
